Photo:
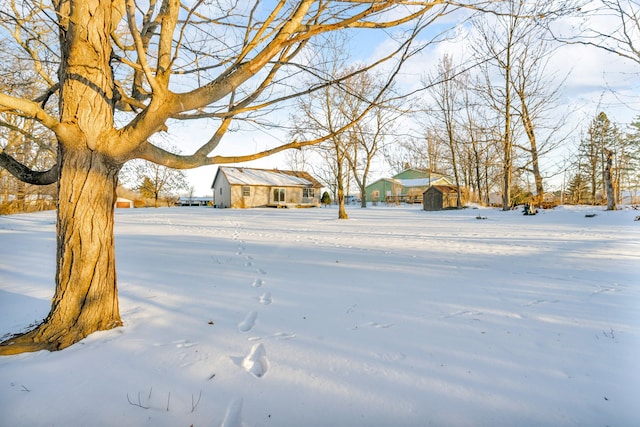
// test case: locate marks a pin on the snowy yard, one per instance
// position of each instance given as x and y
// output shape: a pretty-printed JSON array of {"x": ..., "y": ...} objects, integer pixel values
[{"x": 395, "y": 317}]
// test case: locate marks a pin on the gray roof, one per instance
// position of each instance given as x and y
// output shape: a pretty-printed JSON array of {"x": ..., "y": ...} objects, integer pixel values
[{"x": 248, "y": 176}]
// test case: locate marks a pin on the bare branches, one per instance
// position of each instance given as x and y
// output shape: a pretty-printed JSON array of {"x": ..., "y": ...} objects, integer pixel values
[
  {"x": 140, "y": 49},
  {"x": 243, "y": 57},
  {"x": 30, "y": 109},
  {"x": 27, "y": 175},
  {"x": 610, "y": 25}
]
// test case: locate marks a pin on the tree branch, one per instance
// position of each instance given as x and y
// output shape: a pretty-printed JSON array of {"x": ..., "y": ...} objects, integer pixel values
[{"x": 27, "y": 175}]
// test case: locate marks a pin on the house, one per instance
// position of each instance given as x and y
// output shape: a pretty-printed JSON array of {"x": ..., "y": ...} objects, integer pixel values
[
  {"x": 438, "y": 197},
  {"x": 235, "y": 187},
  {"x": 406, "y": 186},
  {"x": 193, "y": 201}
]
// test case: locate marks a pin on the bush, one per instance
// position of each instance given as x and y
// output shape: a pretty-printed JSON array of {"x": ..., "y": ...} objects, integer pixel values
[{"x": 326, "y": 198}]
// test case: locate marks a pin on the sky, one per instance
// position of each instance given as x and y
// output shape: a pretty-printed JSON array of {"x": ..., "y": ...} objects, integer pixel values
[{"x": 595, "y": 81}]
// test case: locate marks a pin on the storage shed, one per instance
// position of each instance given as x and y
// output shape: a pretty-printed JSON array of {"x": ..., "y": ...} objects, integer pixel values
[{"x": 438, "y": 197}]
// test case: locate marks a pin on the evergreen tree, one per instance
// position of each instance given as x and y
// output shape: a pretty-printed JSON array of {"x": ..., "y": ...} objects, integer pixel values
[
  {"x": 578, "y": 189},
  {"x": 326, "y": 198},
  {"x": 601, "y": 135}
]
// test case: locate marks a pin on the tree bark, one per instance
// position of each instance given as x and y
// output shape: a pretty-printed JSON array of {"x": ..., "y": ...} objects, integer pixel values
[
  {"x": 342, "y": 212},
  {"x": 531, "y": 135},
  {"x": 611, "y": 200},
  {"x": 86, "y": 297}
]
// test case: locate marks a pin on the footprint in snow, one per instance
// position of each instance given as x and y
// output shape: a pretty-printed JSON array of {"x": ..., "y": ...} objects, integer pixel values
[
  {"x": 265, "y": 299},
  {"x": 380, "y": 325},
  {"x": 284, "y": 335},
  {"x": 257, "y": 283},
  {"x": 256, "y": 362},
  {"x": 233, "y": 416},
  {"x": 375, "y": 325},
  {"x": 536, "y": 302},
  {"x": 249, "y": 322}
]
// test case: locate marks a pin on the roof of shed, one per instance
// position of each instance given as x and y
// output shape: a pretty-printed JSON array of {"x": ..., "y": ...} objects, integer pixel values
[
  {"x": 444, "y": 188},
  {"x": 272, "y": 177}
]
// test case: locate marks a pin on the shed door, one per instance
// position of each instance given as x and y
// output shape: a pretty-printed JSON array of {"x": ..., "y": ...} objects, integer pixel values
[{"x": 433, "y": 201}]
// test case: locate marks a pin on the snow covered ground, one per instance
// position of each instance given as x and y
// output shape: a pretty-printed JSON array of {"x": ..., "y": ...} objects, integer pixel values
[{"x": 395, "y": 317}]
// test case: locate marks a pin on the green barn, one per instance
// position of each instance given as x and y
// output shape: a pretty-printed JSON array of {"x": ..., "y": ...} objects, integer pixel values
[{"x": 407, "y": 186}]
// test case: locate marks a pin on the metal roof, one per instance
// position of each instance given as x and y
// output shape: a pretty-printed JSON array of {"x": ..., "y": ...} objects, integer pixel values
[{"x": 274, "y": 177}]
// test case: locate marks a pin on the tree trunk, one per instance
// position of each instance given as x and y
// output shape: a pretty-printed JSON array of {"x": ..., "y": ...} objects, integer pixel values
[
  {"x": 342, "y": 212},
  {"x": 86, "y": 297},
  {"x": 535, "y": 162},
  {"x": 611, "y": 200}
]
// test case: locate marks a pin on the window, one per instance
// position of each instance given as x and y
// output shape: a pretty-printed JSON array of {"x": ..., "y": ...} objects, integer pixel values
[
  {"x": 278, "y": 194},
  {"x": 246, "y": 191},
  {"x": 307, "y": 193}
]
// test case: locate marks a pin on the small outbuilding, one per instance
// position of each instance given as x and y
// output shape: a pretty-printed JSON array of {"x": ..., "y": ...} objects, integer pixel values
[
  {"x": 438, "y": 197},
  {"x": 121, "y": 202}
]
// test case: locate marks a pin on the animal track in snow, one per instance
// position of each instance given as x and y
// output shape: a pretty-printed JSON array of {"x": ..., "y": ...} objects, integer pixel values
[
  {"x": 463, "y": 313},
  {"x": 185, "y": 344},
  {"x": 391, "y": 356},
  {"x": 257, "y": 283},
  {"x": 265, "y": 299},
  {"x": 379, "y": 325},
  {"x": 603, "y": 289},
  {"x": 375, "y": 325},
  {"x": 249, "y": 322},
  {"x": 256, "y": 362},
  {"x": 283, "y": 335},
  {"x": 539, "y": 301}
]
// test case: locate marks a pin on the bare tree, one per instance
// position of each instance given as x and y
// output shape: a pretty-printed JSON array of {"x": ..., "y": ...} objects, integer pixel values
[
  {"x": 158, "y": 181},
  {"x": 611, "y": 25},
  {"x": 23, "y": 139},
  {"x": 426, "y": 153},
  {"x": 346, "y": 111},
  {"x": 517, "y": 85},
  {"x": 499, "y": 37},
  {"x": 608, "y": 180},
  {"x": 319, "y": 113},
  {"x": 444, "y": 89},
  {"x": 596, "y": 153},
  {"x": 630, "y": 161},
  {"x": 153, "y": 180},
  {"x": 368, "y": 137},
  {"x": 479, "y": 147},
  {"x": 537, "y": 104},
  {"x": 121, "y": 71}
]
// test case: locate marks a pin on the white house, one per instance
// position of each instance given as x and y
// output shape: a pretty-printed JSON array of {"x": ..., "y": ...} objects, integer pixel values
[{"x": 235, "y": 187}]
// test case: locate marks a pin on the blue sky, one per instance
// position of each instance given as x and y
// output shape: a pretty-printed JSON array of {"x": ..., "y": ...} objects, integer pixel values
[{"x": 596, "y": 81}]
